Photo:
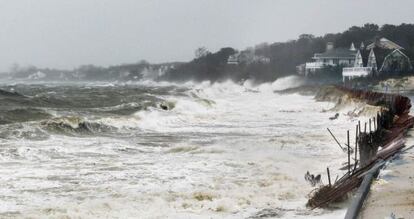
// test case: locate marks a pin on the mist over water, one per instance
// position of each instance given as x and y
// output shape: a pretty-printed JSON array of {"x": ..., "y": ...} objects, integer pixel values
[{"x": 156, "y": 150}]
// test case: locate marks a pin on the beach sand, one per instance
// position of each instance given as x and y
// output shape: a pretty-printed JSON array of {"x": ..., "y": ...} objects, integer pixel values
[{"x": 393, "y": 191}]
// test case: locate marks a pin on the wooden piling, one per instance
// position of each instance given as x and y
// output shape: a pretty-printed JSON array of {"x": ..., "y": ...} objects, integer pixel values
[
  {"x": 333, "y": 136},
  {"x": 349, "y": 154},
  {"x": 329, "y": 176},
  {"x": 378, "y": 120},
  {"x": 356, "y": 143}
]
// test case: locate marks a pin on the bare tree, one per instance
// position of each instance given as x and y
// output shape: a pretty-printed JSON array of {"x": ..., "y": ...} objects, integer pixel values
[{"x": 201, "y": 52}]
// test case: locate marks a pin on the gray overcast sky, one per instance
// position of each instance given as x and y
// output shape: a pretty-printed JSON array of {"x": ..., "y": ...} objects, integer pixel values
[{"x": 68, "y": 33}]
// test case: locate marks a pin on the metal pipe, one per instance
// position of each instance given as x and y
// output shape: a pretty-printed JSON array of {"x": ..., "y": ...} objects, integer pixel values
[{"x": 362, "y": 192}]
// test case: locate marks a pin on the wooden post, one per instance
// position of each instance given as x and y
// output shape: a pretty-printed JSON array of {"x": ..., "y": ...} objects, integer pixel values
[
  {"x": 378, "y": 120},
  {"x": 329, "y": 176},
  {"x": 356, "y": 143},
  {"x": 333, "y": 136},
  {"x": 349, "y": 155},
  {"x": 365, "y": 128},
  {"x": 359, "y": 125},
  {"x": 355, "y": 166},
  {"x": 375, "y": 123}
]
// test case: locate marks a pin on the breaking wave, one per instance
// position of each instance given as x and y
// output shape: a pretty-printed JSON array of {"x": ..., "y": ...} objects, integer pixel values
[
  {"x": 75, "y": 125},
  {"x": 4, "y": 93},
  {"x": 22, "y": 115},
  {"x": 193, "y": 150},
  {"x": 288, "y": 82}
]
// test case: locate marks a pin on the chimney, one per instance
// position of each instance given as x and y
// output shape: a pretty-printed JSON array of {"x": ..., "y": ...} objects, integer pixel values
[{"x": 329, "y": 46}]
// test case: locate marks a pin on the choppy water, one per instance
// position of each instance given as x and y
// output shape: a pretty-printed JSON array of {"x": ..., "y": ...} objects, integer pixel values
[{"x": 111, "y": 151}]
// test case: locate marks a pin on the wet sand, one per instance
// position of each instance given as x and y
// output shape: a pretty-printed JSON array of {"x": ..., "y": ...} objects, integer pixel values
[{"x": 393, "y": 191}]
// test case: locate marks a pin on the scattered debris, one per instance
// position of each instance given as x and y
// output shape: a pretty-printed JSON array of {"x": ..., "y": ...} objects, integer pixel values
[
  {"x": 384, "y": 131},
  {"x": 312, "y": 179},
  {"x": 334, "y": 117},
  {"x": 279, "y": 212},
  {"x": 269, "y": 213},
  {"x": 167, "y": 105}
]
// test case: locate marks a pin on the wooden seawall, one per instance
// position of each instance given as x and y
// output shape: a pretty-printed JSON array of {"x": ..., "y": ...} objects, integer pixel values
[{"x": 385, "y": 131}]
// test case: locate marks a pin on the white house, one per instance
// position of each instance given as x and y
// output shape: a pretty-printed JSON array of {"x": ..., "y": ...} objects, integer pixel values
[
  {"x": 381, "y": 56},
  {"x": 247, "y": 56},
  {"x": 233, "y": 60},
  {"x": 331, "y": 57},
  {"x": 358, "y": 70}
]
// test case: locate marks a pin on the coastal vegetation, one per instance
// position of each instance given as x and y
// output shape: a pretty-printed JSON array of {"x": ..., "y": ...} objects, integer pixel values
[{"x": 285, "y": 56}]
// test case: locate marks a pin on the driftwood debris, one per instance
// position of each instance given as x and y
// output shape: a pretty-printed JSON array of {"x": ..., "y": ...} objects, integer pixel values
[
  {"x": 386, "y": 131},
  {"x": 334, "y": 117},
  {"x": 312, "y": 179}
]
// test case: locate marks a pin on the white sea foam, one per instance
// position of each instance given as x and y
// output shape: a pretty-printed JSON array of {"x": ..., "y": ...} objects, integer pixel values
[{"x": 224, "y": 151}]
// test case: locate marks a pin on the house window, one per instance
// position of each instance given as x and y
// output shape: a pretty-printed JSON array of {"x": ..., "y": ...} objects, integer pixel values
[{"x": 336, "y": 61}]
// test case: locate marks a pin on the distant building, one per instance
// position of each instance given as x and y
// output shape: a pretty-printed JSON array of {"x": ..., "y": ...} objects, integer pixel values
[
  {"x": 330, "y": 58},
  {"x": 301, "y": 69},
  {"x": 380, "y": 57},
  {"x": 233, "y": 60},
  {"x": 383, "y": 43},
  {"x": 247, "y": 57}
]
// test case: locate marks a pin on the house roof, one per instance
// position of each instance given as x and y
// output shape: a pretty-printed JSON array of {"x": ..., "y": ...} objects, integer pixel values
[
  {"x": 393, "y": 52},
  {"x": 364, "y": 55},
  {"x": 380, "y": 55},
  {"x": 384, "y": 43},
  {"x": 336, "y": 53}
]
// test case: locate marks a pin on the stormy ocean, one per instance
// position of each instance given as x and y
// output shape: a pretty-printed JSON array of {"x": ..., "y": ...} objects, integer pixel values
[{"x": 163, "y": 150}]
